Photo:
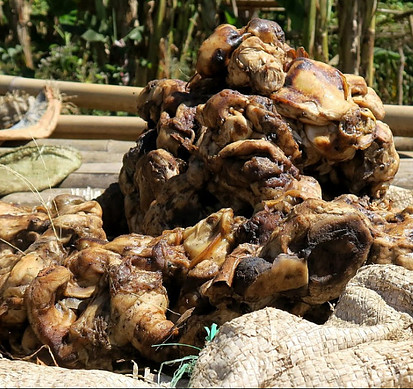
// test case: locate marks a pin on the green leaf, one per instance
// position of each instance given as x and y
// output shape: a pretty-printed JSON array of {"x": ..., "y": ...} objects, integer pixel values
[
  {"x": 135, "y": 34},
  {"x": 184, "y": 368},
  {"x": 176, "y": 344},
  {"x": 230, "y": 18},
  {"x": 144, "y": 62},
  {"x": 104, "y": 26},
  {"x": 93, "y": 36},
  {"x": 12, "y": 51},
  {"x": 380, "y": 53},
  {"x": 69, "y": 19},
  {"x": 110, "y": 67},
  {"x": 212, "y": 332},
  {"x": 187, "y": 364}
]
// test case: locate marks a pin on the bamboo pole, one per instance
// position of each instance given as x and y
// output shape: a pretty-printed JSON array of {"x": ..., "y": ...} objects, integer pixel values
[
  {"x": 123, "y": 98},
  {"x": 400, "y": 73},
  {"x": 23, "y": 9},
  {"x": 321, "y": 37},
  {"x": 367, "y": 11},
  {"x": 310, "y": 26},
  {"x": 99, "y": 127},
  {"x": 403, "y": 143},
  {"x": 400, "y": 119},
  {"x": 156, "y": 36},
  {"x": 83, "y": 95},
  {"x": 349, "y": 36}
]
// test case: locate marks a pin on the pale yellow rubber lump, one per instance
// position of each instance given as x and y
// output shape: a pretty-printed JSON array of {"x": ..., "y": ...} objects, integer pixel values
[{"x": 314, "y": 93}]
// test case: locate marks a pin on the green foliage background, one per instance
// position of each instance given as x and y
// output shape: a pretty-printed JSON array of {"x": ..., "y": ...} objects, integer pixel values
[{"x": 94, "y": 41}]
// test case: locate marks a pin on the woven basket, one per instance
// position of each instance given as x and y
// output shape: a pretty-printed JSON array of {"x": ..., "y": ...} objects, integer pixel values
[{"x": 29, "y": 118}]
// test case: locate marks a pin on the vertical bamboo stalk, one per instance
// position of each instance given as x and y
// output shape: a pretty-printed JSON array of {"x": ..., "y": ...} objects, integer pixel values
[
  {"x": 400, "y": 77},
  {"x": 115, "y": 25},
  {"x": 3, "y": 19},
  {"x": 234, "y": 8},
  {"x": 100, "y": 9},
  {"x": 321, "y": 38},
  {"x": 349, "y": 36},
  {"x": 367, "y": 12},
  {"x": 370, "y": 66},
  {"x": 411, "y": 25},
  {"x": 169, "y": 43},
  {"x": 155, "y": 38},
  {"x": 310, "y": 26},
  {"x": 22, "y": 9},
  {"x": 185, "y": 49},
  {"x": 122, "y": 15}
]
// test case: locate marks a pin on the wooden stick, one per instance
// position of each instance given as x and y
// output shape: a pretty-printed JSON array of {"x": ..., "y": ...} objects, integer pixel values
[
  {"x": 99, "y": 127},
  {"x": 83, "y": 95}
]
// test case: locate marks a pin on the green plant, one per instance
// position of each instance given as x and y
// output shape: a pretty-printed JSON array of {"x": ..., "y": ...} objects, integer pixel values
[
  {"x": 11, "y": 59},
  {"x": 187, "y": 363}
]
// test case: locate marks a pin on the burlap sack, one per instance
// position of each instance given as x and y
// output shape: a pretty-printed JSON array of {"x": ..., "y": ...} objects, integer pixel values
[{"x": 366, "y": 343}]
